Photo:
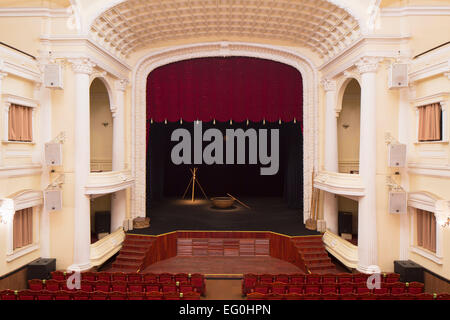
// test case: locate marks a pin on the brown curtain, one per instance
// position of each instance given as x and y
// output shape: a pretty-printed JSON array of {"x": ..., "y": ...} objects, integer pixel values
[
  {"x": 430, "y": 122},
  {"x": 426, "y": 230},
  {"x": 23, "y": 228},
  {"x": 20, "y": 123}
]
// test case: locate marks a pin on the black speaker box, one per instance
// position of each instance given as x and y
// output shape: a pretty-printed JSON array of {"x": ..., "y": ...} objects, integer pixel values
[
  {"x": 409, "y": 271},
  {"x": 102, "y": 222},
  {"x": 40, "y": 268},
  {"x": 345, "y": 222}
]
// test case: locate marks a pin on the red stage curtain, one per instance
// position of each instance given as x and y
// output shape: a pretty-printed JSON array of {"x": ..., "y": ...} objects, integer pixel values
[{"x": 224, "y": 89}]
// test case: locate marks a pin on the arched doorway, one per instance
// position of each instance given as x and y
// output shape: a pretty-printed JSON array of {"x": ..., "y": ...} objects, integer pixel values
[
  {"x": 101, "y": 134},
  {"x": 348, "y": 150}
]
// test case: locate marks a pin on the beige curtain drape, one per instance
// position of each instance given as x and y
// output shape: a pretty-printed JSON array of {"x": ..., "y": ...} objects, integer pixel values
[
  {"x": 430, "y": 122},
  {"x": 23, "y": 228},
  {"x": 426, "y": 230},
  {"x": 20, "y": 123}
]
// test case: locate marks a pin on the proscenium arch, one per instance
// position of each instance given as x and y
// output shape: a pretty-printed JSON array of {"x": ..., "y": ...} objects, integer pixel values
[{"x": 157, "y": 59}]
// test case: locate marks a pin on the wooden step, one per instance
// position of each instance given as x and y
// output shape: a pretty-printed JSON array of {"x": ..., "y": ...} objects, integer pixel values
[
  {"x": 136, "y": 241},
  {"x": 129, "y": 247},
  {"x": 130, "y": 258},
  {"x": 321, "y": 266},
  {"x": 126, "y": 266},
  {"x": 316, "y": 260},
  {"x": 132, "y": 253}
]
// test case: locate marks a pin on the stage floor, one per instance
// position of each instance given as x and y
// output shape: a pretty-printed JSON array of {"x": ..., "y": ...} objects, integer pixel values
[
  {"x": 223, "y": 267},
  {"x": 266, "y": 214}
]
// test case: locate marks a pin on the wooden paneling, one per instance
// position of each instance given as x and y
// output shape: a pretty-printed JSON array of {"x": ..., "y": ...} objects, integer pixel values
[
  {"x": 434, "y": 284},
  {"x": 15, "y": 281},
  {"x": 223, "y": 247},
  {"x": 283, "y": 248}
]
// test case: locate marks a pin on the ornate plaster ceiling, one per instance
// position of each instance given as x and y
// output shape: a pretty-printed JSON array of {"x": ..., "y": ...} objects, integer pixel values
[{"x": 315, "y": 24}]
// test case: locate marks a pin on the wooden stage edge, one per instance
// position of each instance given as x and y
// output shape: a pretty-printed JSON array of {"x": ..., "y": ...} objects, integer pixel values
[{"x": 212, "y": 234}]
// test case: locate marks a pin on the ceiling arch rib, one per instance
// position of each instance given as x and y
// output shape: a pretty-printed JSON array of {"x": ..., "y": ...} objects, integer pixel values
[{"x": 318, "y": 25}]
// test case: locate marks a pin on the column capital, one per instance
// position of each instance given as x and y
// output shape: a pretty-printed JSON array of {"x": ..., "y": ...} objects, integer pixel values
[
  {"x": 82, "y": 65},
  {"x": 122, "y": 84},
  {"x": 113, "y": 109},
  {"x": 328, "y": 85},
  {"x": 368, "y": 64}
]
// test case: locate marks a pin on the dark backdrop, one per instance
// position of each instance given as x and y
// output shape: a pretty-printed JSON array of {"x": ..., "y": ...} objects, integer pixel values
[{"x": 164, "y": 179}]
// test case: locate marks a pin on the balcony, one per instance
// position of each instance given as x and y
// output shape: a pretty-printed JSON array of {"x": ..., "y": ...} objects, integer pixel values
[
  {"x": 108, "y": 182},
  {"x": 341, "y": 249},
  {"x": 105, "y": 248},
  {"x": 343, "y": 184}
]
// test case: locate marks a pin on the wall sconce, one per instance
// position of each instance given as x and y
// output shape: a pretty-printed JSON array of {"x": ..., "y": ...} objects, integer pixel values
[
  {"x": 345, "y": 126},
  {"x": 105, "y": 124}
]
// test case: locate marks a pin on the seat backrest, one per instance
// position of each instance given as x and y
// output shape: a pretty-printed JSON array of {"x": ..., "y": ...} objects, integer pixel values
[
  {"x": 26, "y": 295},
  {"x": 63, "y": 295},
  {"x": 415, "y": 287},
  {"x": 119, "y": 276},
  {"x": 104, "y": 276},
  {"x": 256, "y": 296},
  {"x": 102, "y": 286},
  {"x": 117, "y": 296},
  {"x": 87, "y": 275},
  {"x": 53, "y": 285},
  {"x": 191, "y": 296},
  {"x": 328, "y": 278},
  {"x": 297, "y": 278},
  {"x": 44, "y": 295},
  {"x": 99, "y": 295},
  {"x": 391, "y": 277},
  {"x": 313, "y": 278},
  {"x": 134, "y": 277},
  {"x": 284, "y": 278},
  {"x": 58, "y": 275},
  {"x": 150, "y": 277},
  {"x": 344, "y": 278},
  {"x": 8, "y": 295},
  {"x": 35, "y": 284}
]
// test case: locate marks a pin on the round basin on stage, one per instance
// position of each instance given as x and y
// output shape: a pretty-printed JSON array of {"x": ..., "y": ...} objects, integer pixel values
[{"x": 223, "y": 202}]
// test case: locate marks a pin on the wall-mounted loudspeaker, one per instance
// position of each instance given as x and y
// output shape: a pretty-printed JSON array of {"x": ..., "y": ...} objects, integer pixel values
[
  {"x": 53, "y": 154},
  {"x": 53, "y": 199},
  {"x": 397, "y": 155},
  {"x": 53, "y": 76},
  {"x": 398, "y": 202},
  {"x": 398, "y": 76}
]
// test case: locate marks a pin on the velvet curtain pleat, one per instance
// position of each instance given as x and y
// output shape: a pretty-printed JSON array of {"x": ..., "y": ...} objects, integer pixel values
[
  {"x": 426, "y": 230},
  {"x": 20, "y": 123},
  {"x": 23, "y": 228},
  {"x": 430, "y": 122},
  {"x": 224, "y": 89}
]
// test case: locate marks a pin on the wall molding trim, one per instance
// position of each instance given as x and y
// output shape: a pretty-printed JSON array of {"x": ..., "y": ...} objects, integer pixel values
[
  {"x": 434, "y": 170},
  {"x": 416, "y": 11},
  {"x": 221, "y": 49},
  {"x": 35, "y": 12}
]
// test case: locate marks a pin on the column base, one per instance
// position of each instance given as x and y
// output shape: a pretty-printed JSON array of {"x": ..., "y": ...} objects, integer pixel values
[
  {"x": 80, "y": 267},
  {"x": 368, "y": 269}
]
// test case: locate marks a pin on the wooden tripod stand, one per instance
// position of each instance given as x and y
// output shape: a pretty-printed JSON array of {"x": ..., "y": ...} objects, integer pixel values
[{"x": 194, "y": 180}]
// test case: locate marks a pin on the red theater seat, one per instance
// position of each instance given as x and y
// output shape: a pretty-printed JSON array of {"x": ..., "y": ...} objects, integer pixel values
[
  {"x": 134, "y": 277},
  {"x": 384, "y": 288},
  {"x": 344, "y": 278},
  {"x": 368, "y": 296},
  {"x": 26, "y": 295},
  {"x": 119, "y": 286},
  {"x": 256, "y": 296},
  {"x": 295, "y": 288},
  {"x": 58, "y": 275},
  {"x": 313, "y": 278},
  {"x": 312, "y": 296},
  {"x": 284, "y": 278},
  {"x": 117, "y": 296},
  {"x": 266, "y": 278},
  {"x": 397, "y": 288},
  {"x": 185, "y": 288},
  {"x": 118, "y": 276},
  {"x": 329, "y": 278},
  {"x": 8, "y": 295},
  {"x": 80, "y": 295},
  {"x": 154, "y": 295},
  {"x": 63, "y": 295},
  {"x": 415, "y": 287},
  {"x": 89, "y": 276},
  {"x": 152, "y": 287},
  {"x": 329, "y": 288},
  {"x": 53, "y": 285},
  {"x": 407, "y": 296},
  {"x": 87, "y": 285},
  {"x": 297, "y": 279},
  {"x": 360, "y": 278},
  {"x": 99, "y": 295},
  {"x": 136, "y": 296},
  {"x": 104, "y": 276},
  {"x": 198, "y": 282},
  {"x": 150, "y": 277},
  {"x": 262, "y": 288},
  {"x": 102, "y": 286},
  {"x": 165, "y": 278},
  {"x": 349, "y": 296},
  {"x": 312, "y": 288},
  {"x": 191, "y": 296},
  {"x": 331, "y": 296},
  {"x": 35, "y": 285},
  {"x": 172, "y": 296},
  {"x": 424, "y": 296},
  {"x": 293, "y": 296},
  {"x": 182, "y": 277},
  {"x": 443, "y": 296},
  {"x": 44, "y": 295},
  {"x": 391, "y": 277},
  {"x": 248, "y": 284},
  {"x": 168, "y": 287},
  {"x": 274, "y": 296},
  {"x": 361, "y": 287},
  {"x": 279, "y": 288},
  {"x": 136, "y": 287}
]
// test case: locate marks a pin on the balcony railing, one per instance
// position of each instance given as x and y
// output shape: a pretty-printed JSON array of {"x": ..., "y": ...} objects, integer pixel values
[
  {"x": 341, "y": 249},
  {"x": 340, "y": 183},
  {"x": 108, "y": 182},
  {"x": 105, "y": 248}
]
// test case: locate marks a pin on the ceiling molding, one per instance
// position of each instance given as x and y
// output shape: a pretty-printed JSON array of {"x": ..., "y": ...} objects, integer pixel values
[
  {"x": 416, "y": 11},
  {"x": 319, "y": 25},
  {"x": 35, "y": 12}
]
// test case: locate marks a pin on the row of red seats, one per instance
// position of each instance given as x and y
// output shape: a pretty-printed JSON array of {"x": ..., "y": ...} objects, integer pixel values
[
  {"x": 348, "y": 296},
  {"x": 337, "y": 288},
  {"x": 130, "y": 277},
  {"x": 114, "y": 286},
  {"x": 96, "y": 295}
]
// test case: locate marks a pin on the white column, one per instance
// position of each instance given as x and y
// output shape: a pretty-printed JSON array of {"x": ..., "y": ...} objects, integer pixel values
[
  {"x": 367, "y": 215},
  {"x": 403, "y": 134},
  {"x": 43, "y": 95},
  {"x": 330, "y": 205},
  {"x": 82, "y": 234},
  {"x": 119, "y": 204}
]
